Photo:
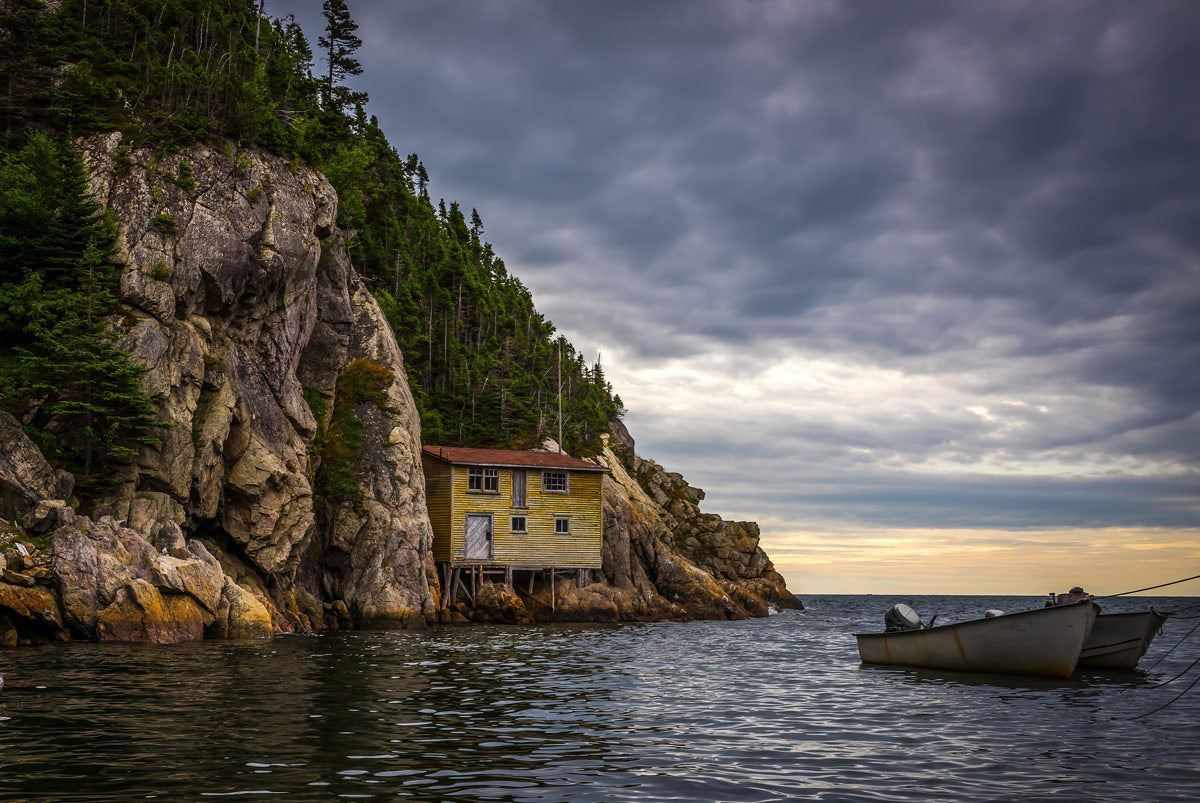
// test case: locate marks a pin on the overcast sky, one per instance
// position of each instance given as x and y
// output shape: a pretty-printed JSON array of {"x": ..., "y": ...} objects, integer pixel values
[{"x": 915, "y": 285}]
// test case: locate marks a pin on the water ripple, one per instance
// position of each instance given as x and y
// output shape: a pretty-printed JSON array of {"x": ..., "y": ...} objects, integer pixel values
[{"x": 767, "y": 710}]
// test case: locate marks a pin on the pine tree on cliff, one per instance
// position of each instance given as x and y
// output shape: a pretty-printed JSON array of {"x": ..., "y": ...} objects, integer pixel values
[
  {"x": 59, "y": 358},
  {"x": 340, "y": 42}
]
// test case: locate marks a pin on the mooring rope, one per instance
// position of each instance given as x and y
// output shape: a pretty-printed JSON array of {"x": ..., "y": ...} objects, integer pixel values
[
  {"x": 1151, "y": 588},
  {"x": 1168, "y": 702},
  {"x": 1186, "y": 669},
  {"x": 1168, "y": 652}
]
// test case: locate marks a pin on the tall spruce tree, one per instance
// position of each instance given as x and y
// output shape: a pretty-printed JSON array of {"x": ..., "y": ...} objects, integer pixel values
[
  {"x": 339, "y": 42},
  {"x": 59, "y": 362}
]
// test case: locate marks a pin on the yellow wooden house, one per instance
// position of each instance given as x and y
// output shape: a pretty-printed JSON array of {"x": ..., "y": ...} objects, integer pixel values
[{"x": 495, "y": 509}]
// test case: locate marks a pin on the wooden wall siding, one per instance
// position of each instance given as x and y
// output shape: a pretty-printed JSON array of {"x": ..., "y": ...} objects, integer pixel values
[
  {"x": 439, "y": 501},
  {"x": 539, "y": 546}
]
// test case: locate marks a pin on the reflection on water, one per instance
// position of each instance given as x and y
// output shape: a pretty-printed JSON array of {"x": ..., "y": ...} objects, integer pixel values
[{"x": 766, "y": 710}]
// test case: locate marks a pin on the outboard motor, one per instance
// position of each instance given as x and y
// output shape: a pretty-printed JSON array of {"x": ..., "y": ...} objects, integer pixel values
[{"x": 901, "y": 617}]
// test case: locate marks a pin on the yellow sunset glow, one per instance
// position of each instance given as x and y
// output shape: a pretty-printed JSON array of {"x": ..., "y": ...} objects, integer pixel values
[{"x": 916, "y": 561}]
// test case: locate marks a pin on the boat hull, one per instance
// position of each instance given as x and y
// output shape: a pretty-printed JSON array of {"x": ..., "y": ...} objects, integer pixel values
[
  {"x": 1043, "y": 642},
  {"x": 1119, "y": 640}
]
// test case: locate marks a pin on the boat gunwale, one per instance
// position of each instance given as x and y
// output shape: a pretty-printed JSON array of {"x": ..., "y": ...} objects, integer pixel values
[
  {"x": 969, "y": 622},
  {"x": 1123, "y": 653},
  {"x": 1127, "y": 614}
]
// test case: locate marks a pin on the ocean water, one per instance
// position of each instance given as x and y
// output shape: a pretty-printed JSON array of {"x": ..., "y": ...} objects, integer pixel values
[{"x": 777, "y": 709}]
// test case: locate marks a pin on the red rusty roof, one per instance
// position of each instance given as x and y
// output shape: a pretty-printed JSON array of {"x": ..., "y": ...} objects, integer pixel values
[{"x": 509, "y": 458}]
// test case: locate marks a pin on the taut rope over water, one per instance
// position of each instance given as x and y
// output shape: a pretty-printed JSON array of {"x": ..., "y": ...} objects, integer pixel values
[
  {"x": 1168, "y": 702},
  {"x": 1168, "y": 652},
  {"x": 1151, "y": 588},
  {"x": 1186, "y": 669}
]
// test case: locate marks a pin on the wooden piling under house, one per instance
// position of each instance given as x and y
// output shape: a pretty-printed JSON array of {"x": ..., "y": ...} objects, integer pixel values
[{"x": 512, "y": 514}]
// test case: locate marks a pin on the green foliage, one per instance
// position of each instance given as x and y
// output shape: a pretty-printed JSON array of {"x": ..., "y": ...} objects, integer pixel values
[
  {"x": 361, "y": 382},
  {"x": 317, "y": 404},
  {"x": 58, "y": 357},
  {"x": 339, "y": 43},
  {"x": 166, "y": 71},
  {"x": 481, "y": 361},
  {"x": 315, "y": 400},
  {"x": 160, "y": 271},
  {"x": 164, "y": 222},
  {"x": 184, "y": 177}
]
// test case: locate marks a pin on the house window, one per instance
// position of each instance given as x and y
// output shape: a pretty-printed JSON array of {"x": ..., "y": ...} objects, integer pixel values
[
  {"x": 520, "y": 524},
  {"x": 562, "y": 525},
  {"x": 555, "y": 482},
  {"x": 518, "y": 488},
  {"x": 483, "y": 480}
]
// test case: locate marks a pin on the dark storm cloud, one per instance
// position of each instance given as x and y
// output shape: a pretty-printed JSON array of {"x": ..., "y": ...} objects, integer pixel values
[
  {"x": 1000, "y": 198},
  {"x": 872, "y": 498}
]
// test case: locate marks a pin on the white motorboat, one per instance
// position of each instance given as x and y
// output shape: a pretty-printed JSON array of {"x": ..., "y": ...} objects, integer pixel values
[
  {"x": 1038, "y": 642},
  {"x": 1119, "y": 640}
]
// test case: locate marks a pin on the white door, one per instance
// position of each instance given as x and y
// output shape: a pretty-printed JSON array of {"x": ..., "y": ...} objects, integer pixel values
[{"x": 479, "y": 537}]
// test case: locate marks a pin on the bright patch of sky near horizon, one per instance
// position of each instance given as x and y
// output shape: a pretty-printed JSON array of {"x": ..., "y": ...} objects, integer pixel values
[{"x": 915, "y": 286}]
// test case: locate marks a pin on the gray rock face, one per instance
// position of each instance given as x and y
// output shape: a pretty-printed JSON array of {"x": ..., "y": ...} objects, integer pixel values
[
  {"x": 729, "y": 552},
  {"x": 25, "y": 476},
  {"x": 47, "y": 515},
  {"x": 672, "y": 559},
  {"x": 239, "y": 295},
  {"x": 377, "y": 550}
]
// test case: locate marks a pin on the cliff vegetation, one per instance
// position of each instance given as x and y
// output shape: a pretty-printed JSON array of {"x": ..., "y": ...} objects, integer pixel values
[
  {"x": 230, "y": 313},
  {"x": 481, "y": 360}
]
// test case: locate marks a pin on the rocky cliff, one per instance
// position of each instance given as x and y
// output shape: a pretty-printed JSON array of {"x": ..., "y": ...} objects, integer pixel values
[{"x": 257, "y": 338}]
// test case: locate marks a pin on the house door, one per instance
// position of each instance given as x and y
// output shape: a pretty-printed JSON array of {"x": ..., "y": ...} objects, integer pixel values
[{"x": 479, "y": 537}]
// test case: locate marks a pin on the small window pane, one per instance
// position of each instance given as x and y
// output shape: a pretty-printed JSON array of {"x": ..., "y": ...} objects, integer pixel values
[
  {"x": 554, "y": 481},
  {"x": 518, "y": 524},
  {"x": 562, "y": 525},
  {"x": 484, "y": 480}
]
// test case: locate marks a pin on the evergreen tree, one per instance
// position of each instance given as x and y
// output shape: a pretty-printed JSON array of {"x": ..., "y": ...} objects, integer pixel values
[
  {"x": 59, "y": 359},
  {"x": 339, "y": 42},
  {"x": 25, "y": 76},
  {"x": 480, "y": 358}
]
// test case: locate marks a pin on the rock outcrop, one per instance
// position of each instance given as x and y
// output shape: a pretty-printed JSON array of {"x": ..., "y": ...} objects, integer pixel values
[
  {"x": 664, "y": 559},
  {"x": 25, "y": 477},
  {"x": 241, "y": 304},
  {"x": 115, "y": 586}
]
